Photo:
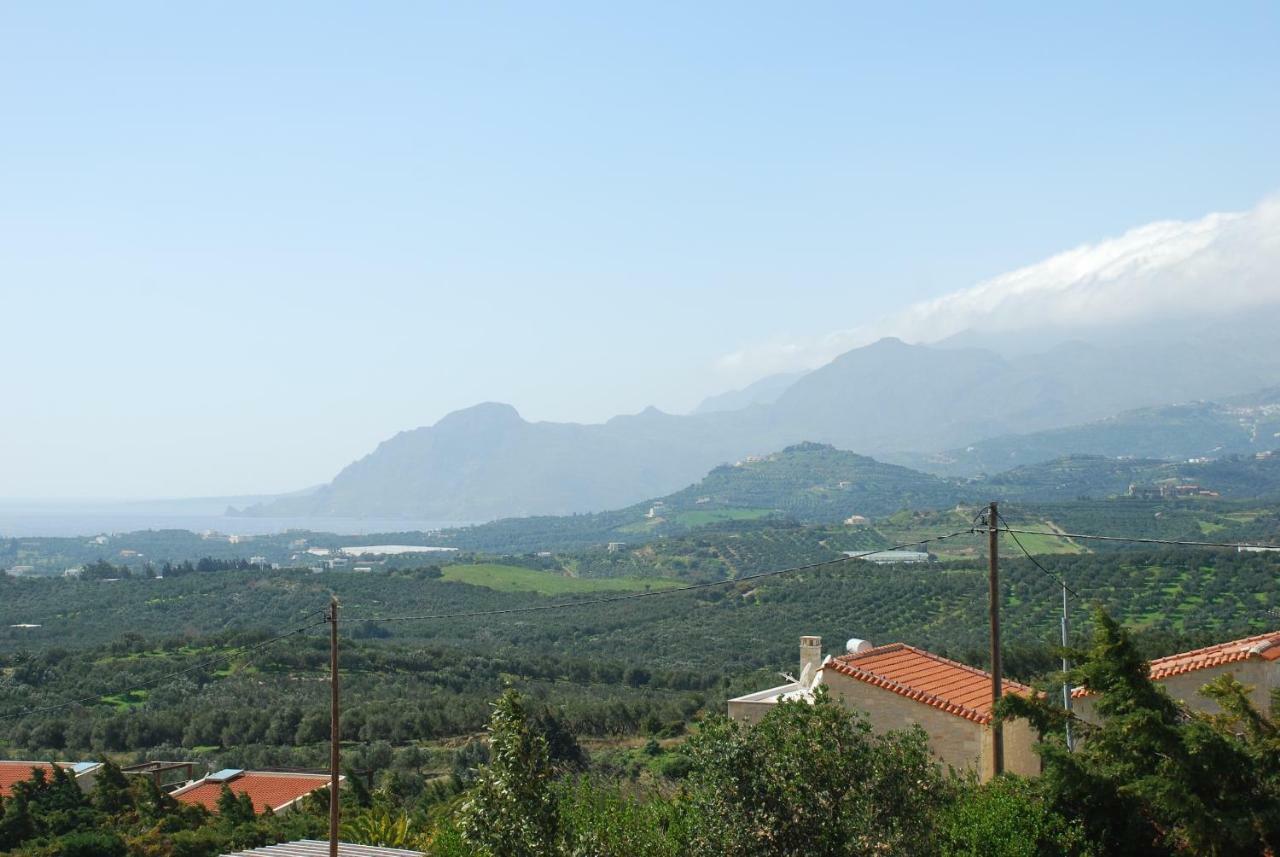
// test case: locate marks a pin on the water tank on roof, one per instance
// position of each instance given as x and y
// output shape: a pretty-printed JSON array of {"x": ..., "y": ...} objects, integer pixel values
[{"x": 857, "y": 647}]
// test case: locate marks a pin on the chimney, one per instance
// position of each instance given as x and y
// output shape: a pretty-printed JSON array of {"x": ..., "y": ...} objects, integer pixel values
[{"x": 810, "y": 658}]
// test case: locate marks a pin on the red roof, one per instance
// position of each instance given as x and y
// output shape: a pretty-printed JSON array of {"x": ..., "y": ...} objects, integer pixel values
[
  {"x": 265, "y": 789},
  {"x": 1264, "y": 647},
  {"x": 12, "y": 773},
  {"x": 944, "y": 684}
]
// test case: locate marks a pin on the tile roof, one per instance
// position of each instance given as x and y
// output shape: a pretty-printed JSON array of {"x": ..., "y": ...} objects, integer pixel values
[
  {"x": 927, "y": 678},
  {"x": 12, "y": 773},
  {"x": 265, "y": 789},
  {"x": 1265, "y": 647},
  {"x": 316, "y": 848}
]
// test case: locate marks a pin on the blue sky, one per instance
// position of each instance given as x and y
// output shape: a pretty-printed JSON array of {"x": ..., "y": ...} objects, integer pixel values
[{"x": 242, "y": 243}]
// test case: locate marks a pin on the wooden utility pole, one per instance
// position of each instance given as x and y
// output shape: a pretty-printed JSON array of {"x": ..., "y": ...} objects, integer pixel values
[
  {"x": 997, "y": 679},
  {"x": 335, "y": 745}
]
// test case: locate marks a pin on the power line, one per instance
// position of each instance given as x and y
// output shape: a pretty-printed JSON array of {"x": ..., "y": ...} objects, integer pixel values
[
  {"x": 1139, "y": 540},
  {"x": 241, "y": 650},
  {"x": 1046, "y": 572},
  {"x": 656, "y": 592}
]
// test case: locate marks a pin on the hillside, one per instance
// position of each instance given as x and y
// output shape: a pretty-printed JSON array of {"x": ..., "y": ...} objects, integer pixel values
[
  {"x": 1242, "y": 425},
  {"x": 810, "y": 482},
  {"x": 887, "y": 398}
]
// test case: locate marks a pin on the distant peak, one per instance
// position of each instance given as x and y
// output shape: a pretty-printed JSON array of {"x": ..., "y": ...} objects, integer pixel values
[{"x": 485, "y": 413}]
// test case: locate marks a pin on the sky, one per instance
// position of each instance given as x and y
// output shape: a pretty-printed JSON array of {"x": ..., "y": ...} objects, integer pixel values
[{"x": 241, "y": 244}]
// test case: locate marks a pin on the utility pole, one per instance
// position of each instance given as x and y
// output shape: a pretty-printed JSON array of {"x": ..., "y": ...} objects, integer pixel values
[
  {"x": 1066, "y": 665},
  {"x": 997, "y": 680},
  {"x": 334, "y": 731}
]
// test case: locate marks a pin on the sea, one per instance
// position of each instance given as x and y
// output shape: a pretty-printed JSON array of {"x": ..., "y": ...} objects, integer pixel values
[{"x": 48, "y": 518}]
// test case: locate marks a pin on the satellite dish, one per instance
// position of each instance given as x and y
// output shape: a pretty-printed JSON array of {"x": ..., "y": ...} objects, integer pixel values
[{"x": 806, "y": 675}]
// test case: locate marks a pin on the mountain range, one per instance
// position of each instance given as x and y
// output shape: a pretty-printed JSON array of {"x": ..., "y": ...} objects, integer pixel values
[{"x": 961, "y": 407}]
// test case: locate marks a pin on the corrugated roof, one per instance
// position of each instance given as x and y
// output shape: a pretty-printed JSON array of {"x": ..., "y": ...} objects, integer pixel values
[
  {"x": 927, "y": 678},
  {"x": 1264, "y": 647},
  {"x": 316, "y": 848},
  {"x": 265, "y": 789}
]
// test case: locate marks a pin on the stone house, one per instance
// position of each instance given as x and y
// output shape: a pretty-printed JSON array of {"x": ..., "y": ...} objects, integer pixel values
[
  {"x": 897, "y": 686},
  {"x": 1254, "y": 661}
]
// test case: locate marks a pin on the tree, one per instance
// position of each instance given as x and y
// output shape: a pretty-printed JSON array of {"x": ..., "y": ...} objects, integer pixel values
[
  {"x": 1153, "y": 778},
  {"x": 1007, "y": 817},
  {"x": 812, "y": 779},
  {"x": 235, "y": 809},
  {"x": 511, "y": 810},
  {"x": 111, "y": 789}
]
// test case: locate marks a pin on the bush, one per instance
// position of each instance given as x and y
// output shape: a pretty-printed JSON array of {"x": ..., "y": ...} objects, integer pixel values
[{"x": 1006, "y": 818}]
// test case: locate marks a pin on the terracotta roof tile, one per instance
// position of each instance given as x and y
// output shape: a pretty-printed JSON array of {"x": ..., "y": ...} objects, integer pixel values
[
  {"x": 12, "y": 773},
  {"x": 927, "y": 678},
  {"x": 265, "y": 789},
  {"x": 1264, "y": 647}
]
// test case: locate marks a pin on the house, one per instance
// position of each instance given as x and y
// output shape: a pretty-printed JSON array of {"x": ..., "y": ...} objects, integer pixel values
[
  {"x": 279, "y": 790},
  {"x": 21, "y": 570},
  {"x": 12, "y": 773},
  {"x": 855, "y": 521},
  {"x": 897, "y": 686},
  {"x": 1254, "y": 661},
  {"x": 891, "y": 556},
  {"x": 317, "y": 848},
  {"x": 614, "y": 547}
]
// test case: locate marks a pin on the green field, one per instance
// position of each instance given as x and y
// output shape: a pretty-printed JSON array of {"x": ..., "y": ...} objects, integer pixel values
[
  {"x": 1047, "y": 544},
  {"x": 510, "y": 578},
  {"x": 129, "y": 699},
  {"x": 701, "y": 517}
]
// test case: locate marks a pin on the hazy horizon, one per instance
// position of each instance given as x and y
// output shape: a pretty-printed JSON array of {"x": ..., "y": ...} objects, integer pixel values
[{"x": 243, "y": 249}]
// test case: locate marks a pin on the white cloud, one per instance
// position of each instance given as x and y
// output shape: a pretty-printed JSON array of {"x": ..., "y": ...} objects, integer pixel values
[{"x": 1219, "y": 264}]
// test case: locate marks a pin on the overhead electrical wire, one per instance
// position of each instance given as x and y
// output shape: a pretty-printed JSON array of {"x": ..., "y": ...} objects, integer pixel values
[
  {"x": 656, "y": 592},
  {"x": 1140, "y": 540},
  {"x": 1046, "y": 572}
]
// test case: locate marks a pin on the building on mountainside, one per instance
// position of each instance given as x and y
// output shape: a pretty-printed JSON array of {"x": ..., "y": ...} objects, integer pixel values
[
  {"x": 856, "y": 521},
  {"x": 317, "y": 848},
  {"x": 21, "y": 570},
  {"x": 892, "y": 556},
  {"x": 1254, "y": 661},
  {"x": 12, "y": 773},
  {"x": 1143, "y": 492},
  {"x": 897, "y": 686},
  {"x": 614, "y": 547},
  {"x": 279, "y": 790},
  {"x": 1256, "y": 549}
]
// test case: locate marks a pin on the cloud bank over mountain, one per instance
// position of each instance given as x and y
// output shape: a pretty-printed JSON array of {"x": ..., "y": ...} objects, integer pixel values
[{"x": 1220, "y": 264}]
